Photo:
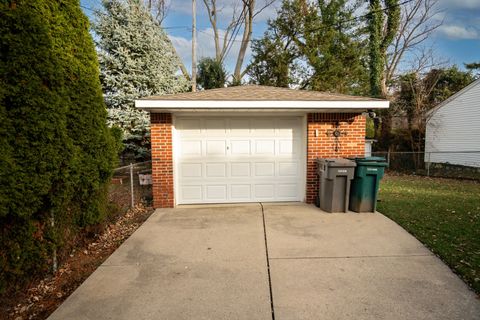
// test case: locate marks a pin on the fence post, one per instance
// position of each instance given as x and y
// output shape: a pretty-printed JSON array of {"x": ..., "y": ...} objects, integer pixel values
[
  {"x": 131, "y": 186},
  {"x": 388, "y": 157},
  {"x": 428, "y": 165},
  {"x": 54, "y": 257}
]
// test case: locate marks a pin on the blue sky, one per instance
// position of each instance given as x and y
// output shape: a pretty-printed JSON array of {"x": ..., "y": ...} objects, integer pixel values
[{"x": 456, "y": 41}]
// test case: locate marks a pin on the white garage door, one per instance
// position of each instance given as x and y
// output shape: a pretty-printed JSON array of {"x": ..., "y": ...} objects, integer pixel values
[{"x": 239, "y": 159}]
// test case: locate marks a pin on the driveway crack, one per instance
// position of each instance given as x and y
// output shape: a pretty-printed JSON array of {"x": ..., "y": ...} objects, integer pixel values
[{"x": 268, "y": 262}]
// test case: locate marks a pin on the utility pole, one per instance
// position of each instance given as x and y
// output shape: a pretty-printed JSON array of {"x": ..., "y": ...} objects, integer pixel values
[{"x": 194, "y": 45}]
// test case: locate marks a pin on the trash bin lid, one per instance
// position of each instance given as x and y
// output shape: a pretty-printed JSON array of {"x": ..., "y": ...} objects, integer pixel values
[
  {"x": 337, "y": 162},
  {"x": 369, "y": 159},
  {"x": 372, "y": 163}
]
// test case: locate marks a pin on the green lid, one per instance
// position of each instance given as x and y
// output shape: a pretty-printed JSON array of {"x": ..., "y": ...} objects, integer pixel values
[
  {"x": 370, "y": 159},
  {"x": 371, "y": 163}
]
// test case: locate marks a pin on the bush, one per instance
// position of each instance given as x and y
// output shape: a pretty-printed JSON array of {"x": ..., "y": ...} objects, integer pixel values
[
  {"x": 57, "y": 152},
  {"x": 211, "y": 74},
  {"x": 370, "y": 128}
]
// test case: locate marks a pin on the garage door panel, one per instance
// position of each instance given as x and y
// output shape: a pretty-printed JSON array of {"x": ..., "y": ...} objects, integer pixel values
[
  {"x": 263, "y": 127},
  {"x": 288, "y": 147},
  {"x": 240, "y": 169},
  {"x": 191, "y": 193},
  {"x": 240, "y": 147},
  {"x": 191, "y": 148},
  {"x": 191, "y": 126},
  {"x": 216, "y": 148},
  {"x": 191, "y": 170},
  {"x": 216, "y": 192},
  {"x": 287, "y": 190},
  {"x": 240, "y": 192},
  {"x": 286, "y": 127},
  {"x": 264, "y": 191},
  {"x": 215, "y": 127},
  {"x": 239, "y": 127},
  {"x": 215, "y": 170},
  {"x": 265, "y": 147},
  {"x": 239, "y": 159},
  {"x": 288, "y": 169},
  {"x": 264, "y": 169}
]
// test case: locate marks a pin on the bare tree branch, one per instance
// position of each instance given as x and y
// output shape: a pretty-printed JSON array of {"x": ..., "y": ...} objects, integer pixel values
[
  {"x": 424, "y": 59},
  {"x": 235, "y": 22},
  {"x": 158, "y": 8},
  {"x": 418, "y": 21},
  {"x": 240, "y": 19}
]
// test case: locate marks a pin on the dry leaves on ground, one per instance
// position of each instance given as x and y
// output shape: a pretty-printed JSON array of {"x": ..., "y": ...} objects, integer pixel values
[{"x": 42, "y": 297}]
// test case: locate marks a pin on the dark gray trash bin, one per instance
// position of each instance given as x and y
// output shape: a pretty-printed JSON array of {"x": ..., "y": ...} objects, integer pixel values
[{"x": 334, "y": 176}]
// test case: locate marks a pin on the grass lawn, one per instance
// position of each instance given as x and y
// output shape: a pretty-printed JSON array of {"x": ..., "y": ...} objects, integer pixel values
[{"x": 443, "y": 214}]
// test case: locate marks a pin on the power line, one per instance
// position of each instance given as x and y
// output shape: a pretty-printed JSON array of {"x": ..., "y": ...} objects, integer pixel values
[
  {"x": 168, "y": 27},
  {"x": 331, "y": 25},
  {"x": 189, "y": 28}
]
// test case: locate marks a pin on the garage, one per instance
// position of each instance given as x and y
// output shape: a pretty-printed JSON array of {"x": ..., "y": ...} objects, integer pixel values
[
  {"x": 249, "y": 143},
  {"x": 239, "y": 159}
]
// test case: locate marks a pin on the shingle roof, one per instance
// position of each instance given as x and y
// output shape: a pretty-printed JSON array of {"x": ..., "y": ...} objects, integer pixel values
[{"x": 258, "y": 93}]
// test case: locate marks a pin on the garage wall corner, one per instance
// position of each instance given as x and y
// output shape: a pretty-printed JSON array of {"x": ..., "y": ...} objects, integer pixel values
[
  {"x": 322, "y": 144},
  {"x": 162, "y": 159}
]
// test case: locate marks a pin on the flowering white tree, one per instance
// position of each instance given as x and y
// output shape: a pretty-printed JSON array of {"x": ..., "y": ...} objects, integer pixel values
[{"x": 136, "y": 60}]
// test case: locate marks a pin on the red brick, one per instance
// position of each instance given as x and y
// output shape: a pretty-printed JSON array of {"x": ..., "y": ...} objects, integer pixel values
[
  {"x": 324, "y": 146},
  {"x": 162, "y": 159}
]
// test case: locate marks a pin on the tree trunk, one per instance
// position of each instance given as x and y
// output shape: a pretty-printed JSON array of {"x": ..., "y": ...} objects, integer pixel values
[
  {"x": 383, "y": 86},
  {"x": 247, "y": 33}
]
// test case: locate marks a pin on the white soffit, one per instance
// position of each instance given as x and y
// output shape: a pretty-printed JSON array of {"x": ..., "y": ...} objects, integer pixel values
[{"x": 217, "y": 105}]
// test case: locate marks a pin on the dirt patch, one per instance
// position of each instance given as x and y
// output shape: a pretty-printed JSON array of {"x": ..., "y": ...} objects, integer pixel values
[{"x": 42, "y": 296}]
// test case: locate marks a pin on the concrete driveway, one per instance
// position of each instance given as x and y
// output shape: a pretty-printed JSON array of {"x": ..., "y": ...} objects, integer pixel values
[{"x": 270, "y": 261}]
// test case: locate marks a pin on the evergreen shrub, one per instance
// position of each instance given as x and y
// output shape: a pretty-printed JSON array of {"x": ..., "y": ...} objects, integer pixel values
[{"x": 57, "y": 152}]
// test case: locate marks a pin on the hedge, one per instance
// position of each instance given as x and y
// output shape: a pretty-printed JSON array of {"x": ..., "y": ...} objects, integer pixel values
[{"x": 57, "y": 153}]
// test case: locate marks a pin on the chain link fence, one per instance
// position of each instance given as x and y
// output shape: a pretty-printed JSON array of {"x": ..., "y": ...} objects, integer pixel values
[
  {"x": 447, "y": 164},
  {"x": 132, "y": 185}
]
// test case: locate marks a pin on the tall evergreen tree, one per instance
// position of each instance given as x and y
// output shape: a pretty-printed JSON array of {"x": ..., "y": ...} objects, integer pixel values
[
  {"x": 53, "y": 178},
  {"x": 274, "y": 60},
  {"x": 320, "y": 35},
  {"x": 136, "y": 60}
]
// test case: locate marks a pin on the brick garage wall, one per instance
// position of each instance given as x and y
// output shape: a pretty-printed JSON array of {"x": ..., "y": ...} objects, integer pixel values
[
  {"x": 162, "y": 159},
  {"x": 320, "y": 144}
]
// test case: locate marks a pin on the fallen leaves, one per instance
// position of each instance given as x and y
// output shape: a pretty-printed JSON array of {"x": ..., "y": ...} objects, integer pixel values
[{"x": 45, "y": 295}]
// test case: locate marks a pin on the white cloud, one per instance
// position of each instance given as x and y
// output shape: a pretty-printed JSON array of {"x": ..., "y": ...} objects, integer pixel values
[
  {"x": 463, "y": 4},
  {"x": 459, "y": 32}
]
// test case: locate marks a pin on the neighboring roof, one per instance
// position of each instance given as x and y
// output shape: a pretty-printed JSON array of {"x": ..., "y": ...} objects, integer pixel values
[
  {"x": 454, "y": 96},
  {"x": 257, "y": 97}
]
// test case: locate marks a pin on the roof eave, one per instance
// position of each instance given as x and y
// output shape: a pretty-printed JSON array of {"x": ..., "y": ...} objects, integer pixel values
[
  {"x": 206, "y": 105},
  {"x": 453, "y": 97}
]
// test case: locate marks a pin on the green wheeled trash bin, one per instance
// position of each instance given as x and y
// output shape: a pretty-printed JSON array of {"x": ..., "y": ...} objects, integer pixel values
[
  {"x": 365, "y": 184},
  {"x": 334, "y": 176}
]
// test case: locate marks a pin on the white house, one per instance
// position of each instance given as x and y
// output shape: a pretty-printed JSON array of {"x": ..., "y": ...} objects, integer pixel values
[{"x": 453, "y": 129}]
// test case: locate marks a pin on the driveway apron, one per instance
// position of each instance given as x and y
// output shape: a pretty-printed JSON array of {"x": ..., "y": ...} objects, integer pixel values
[
  {"x": 210, "y": 262},
  {"x": 357, "y": 266},
  {"x": 184, "y": 263}
]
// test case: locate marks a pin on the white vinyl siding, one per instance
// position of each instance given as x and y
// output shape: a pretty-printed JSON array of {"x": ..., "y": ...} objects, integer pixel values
[
  {"x": 455, "y": 127},
  {"x": 239, "y": 159}
]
